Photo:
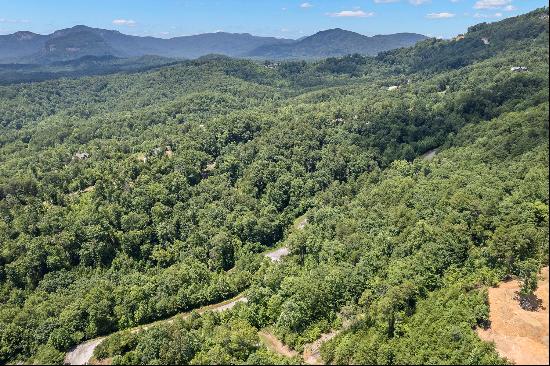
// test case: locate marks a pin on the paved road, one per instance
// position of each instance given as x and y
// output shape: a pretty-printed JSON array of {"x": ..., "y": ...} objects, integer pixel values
[{"x": 81, "y": 354}]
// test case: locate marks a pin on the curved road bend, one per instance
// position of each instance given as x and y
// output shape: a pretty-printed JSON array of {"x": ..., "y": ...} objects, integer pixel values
[{"x": 81, "y": 354}]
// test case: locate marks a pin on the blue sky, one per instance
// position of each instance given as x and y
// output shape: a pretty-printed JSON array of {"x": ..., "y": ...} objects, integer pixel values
[{"x": 280, "y": 18}]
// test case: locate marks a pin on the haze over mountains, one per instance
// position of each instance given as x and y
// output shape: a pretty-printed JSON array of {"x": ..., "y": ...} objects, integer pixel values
[{"x": 80, "y": 41}]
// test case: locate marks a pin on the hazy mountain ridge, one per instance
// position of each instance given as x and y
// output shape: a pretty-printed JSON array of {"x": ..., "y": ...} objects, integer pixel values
[
  {"x": 79, "y": 41},
  {"x": 338, "y": 42}
]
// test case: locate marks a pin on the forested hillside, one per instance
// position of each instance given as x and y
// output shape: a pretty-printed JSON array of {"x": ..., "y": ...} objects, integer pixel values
[
  {"x": 84, "y": 66},
  {"x": 128, "y": 198}
]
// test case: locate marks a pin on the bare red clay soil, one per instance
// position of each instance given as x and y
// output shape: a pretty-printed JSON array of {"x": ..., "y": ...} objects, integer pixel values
[{"x": 519, "y": 335}]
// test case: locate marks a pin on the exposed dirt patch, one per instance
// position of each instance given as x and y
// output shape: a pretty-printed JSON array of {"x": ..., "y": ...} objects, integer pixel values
[
  {"x": 429, "y": 155},
  {"x": 275, "y": 345},
  {"x": 278, "y": 254},
  {"x": 107, "y": 361},
  {"x": 519, "y": 335},
  {"x": 300, "y": 223},
  {"x": 312, "y": 351}
]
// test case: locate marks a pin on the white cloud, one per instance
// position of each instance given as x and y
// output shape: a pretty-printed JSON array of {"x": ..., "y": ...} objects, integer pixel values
[
  {"x": 125, "y": 22},
  {"x": 4, "y": 20},
  {"x": 414, "y": 2},
  {"x": 495, "y": 15},
  {"x": 492, "y": 4},
  {"x": 306, "y": 5},
  {"x": 510, "y": 8},
  {"x": 419, "y": 2},
  {"x": 443, "y": 15},
  {"x": 352, "y": 14}
]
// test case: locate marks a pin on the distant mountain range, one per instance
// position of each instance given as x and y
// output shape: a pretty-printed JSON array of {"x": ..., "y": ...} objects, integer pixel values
[
  {"x": 336, "y": 42},
  {"x": 81, "y": 41}
]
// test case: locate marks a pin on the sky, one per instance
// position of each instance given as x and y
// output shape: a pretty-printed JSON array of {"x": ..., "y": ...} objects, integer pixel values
[{"x": 279, "y": 18}]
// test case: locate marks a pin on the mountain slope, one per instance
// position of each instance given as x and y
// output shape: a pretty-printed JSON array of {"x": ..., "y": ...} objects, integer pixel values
[
  {"x": 128, "y": 198},
  {"x": 337, "y": 42},
  {"x": 79, "y": 41},
  {"x": 20, "y": 44},
  {"x": 75, "y": 44},
  {"x": 482, "y": 41}
]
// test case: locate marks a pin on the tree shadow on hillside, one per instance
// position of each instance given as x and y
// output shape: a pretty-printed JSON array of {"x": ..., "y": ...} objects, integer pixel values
[{"x": 529, "y": 302}]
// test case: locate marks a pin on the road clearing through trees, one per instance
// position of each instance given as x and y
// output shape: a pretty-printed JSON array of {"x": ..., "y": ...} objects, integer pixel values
[{"x": 82, "y": 354}]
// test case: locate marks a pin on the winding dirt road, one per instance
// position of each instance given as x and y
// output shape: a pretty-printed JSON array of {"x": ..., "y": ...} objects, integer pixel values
[
  {"x": 275, "y": 345},
  {"x": 312, "y": 351},
  {"x": 82, "y": 354}
]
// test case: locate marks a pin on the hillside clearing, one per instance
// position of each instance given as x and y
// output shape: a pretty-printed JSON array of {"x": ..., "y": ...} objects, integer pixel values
[{"x": 519, "y": 335}]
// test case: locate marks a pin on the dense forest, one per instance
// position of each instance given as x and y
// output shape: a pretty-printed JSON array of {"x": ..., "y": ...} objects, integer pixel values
[
  {"x": 84, "y": 66},
  {"x": 131, "y": 197}
]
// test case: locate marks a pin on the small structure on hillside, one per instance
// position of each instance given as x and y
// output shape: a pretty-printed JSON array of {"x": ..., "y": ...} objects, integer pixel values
[
  {"x": 207, "y": 171},
  {"x": 518, "y": 69},
  {"x": 393, "y": 87},
  {"x": 158, "y": 151},
  {"x": 271, "y": 65},
  {"x": 142, "y": 158},
  {"x": 81, "y": 156},
  {"x": 460, "y": 37},
  {"x": 485, "y": 41},
  {"x": 302, "y": 224}
]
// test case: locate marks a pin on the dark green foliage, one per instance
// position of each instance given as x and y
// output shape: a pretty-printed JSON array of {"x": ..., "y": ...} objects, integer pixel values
[
  {"x": 128, "y": 198},
  {"x": 436, "y": 55},
  {"x": 84, "y": 66}
]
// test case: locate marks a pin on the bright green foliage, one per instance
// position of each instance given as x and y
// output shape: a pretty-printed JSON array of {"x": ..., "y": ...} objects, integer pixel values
[{"x": 196, "y": 168}]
